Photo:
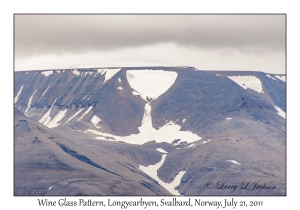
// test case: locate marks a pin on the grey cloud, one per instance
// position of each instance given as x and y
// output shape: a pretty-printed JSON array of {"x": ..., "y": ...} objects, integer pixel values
[{"x": 75, "y": 34}]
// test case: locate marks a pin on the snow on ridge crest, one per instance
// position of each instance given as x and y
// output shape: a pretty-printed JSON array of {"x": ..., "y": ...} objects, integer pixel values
[
  {"x": 47, "y": 73},
  {"x": 250, "y": 82},
  {"x": 150, "y": 83}
]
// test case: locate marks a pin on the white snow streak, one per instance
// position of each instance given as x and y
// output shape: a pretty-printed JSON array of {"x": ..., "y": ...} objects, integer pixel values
[
  {"x": 82, "y": 116},
  {"x": 54, "y": 122},
  {"x": 268, "y": 75},
  {"x": 245, "y": 82},
  {"x": 119, "y": 88},
  {"x": 29, "y": 102},
  {"x": 280, "y": 112},
  {"x": 47, "y": 73},
  {"x": 46, "y": 118},
  {"x": 43, "y": 93},
  {"x": 120, "y": 80},
  {"x": 228, "y": 118},
  {"x": 219, "y": 75},
  {"x": 150, "y": 83},
  {"x": 191, "y": 145},
  {"x": 183, "y": 120},
  {"x": 282, "y": 78},
  {"x": 233, "y": 161},
  {"x": 17, "y": 97},
  {"x": 74, "y": 115},
  {"x": 50, "y": 188},
  {"x": 151, "y": 170},
  {"x": 135, "y": 93},
  {"x": 161, "y": 150},
  {"x": 95, "y": 120}
]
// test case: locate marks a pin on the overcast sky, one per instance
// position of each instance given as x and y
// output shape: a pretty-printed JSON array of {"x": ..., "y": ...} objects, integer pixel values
[{"x": 207, "y": 42}]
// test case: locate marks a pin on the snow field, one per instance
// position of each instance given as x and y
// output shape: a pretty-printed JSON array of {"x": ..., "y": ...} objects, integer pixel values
[
  {"x": 150, "y": 83},
  {"x": 250, "y": 82},
  {"x": 58, "y": 117},
  {"x": 151, "y": 170},
  {"x": 46, "y": 118},
  {"x": 95, "y": 120}
]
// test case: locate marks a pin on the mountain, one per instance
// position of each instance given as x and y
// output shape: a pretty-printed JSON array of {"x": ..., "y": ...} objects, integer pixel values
[{"x": 163, "y": 130}]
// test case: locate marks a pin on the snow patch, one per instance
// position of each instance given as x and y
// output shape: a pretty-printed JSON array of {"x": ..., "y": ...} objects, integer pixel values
[
  {"x": 74, "y": 115},
  {"x": 108, "y": 73},
  {"x": 29, "y": 102},
  {"x": 50, "y": 188},
  {"x": 161, "y": 150},
  {"x": 135, "y": 93},
  {"x": 219, "y": 75},
  {"x": 183, "y": 120},
  {"x": 95, "y": 120},
  {"x": 43, "y": 93},
  {"x": 150, "y": 83},
  {"x": 46, "y": 118},
  {"x": 151, "y": 170},
  {"x": 120, "y": 80},
  {"x": 191, "y": 145},
  {"x": 17, "y": 97},
  {"x": 250, "y": 82},
  {"x": 82, "y": 116},
  {"x": 88, "y": 72},
  {"x": 280, "y": 112},
  {"x": 119, "y": 88},
  {"x": 76, "y": 72},
  {"x": 47, "y": 73},
  {"x": 228, "y": 118},
  {"x": 233, "y": 161},
  {"x": 282, "y": 78},
  {"x": 54, "y": 122}
]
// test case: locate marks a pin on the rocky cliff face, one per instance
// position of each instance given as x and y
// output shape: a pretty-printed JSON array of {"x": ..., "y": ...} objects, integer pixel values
[{"x": 175, "y": 127}]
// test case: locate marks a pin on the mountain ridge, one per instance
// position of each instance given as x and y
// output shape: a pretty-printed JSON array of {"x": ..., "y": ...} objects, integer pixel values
[{"x": 232, "y": 115}]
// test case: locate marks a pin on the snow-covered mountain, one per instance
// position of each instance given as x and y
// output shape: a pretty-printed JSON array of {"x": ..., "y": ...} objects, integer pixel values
[{"x": 176, "y": 128}]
